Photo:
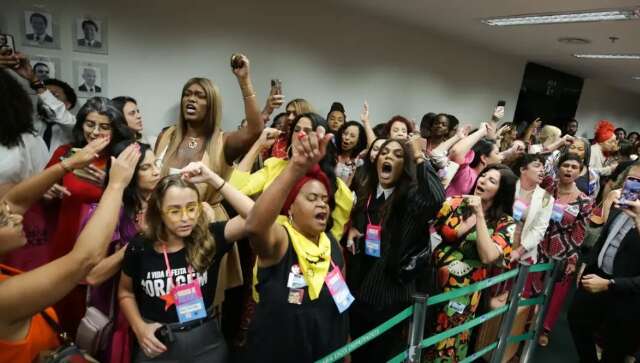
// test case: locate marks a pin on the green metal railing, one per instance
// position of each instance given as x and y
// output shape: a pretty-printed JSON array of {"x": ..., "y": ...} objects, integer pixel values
[{"x": 417, "y": 313}]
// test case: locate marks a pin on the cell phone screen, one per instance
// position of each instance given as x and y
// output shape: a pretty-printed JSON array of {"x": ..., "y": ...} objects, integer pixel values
[
  {"x": 630, "y": 190},
  {"x": 7, "y": 44}
]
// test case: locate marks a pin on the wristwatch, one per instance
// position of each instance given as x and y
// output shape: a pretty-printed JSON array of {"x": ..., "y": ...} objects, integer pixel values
[{"x": 612, "y": 284}]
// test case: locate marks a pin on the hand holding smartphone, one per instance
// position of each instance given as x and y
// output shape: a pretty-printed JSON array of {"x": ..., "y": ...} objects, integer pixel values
[
  {"x": 498, "y": 113},
  {"x": 276, "y": 86},
  {"x": 630, "y": 191},
  {"x": 237, "y": 61},
  {"x": 7, "y": 44}
]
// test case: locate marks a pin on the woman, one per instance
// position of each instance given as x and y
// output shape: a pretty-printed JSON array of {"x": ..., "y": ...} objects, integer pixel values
[
  {"x": 477, "y": 232},
  {"x": 198, "y": 136},
  {"x": 73, "y": 195},
  {"x": 398, "y": 128},
  {"x": 102, "y": 280},
  {"x": 439, "y": 130},
  {"x": 25, "y": 297},
  {"x": 606, "y": 145},
  {"x": 401, "y": 194},
  {"x": 297, "y": 318},
  {"x": 350, "y": 142},
  {"x": 363, "y": 170},
  {"x": 22, "y": 154},
  {"x": 179, "y": 255},
  {"x": 564, "y": 235},
  {"x": 129, "y": 108},
  {"x": 336, "y": 117},
  {"x": 253, "y": 184}
]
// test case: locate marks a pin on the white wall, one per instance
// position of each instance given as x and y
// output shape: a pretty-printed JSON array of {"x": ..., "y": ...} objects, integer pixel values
[
  {"x": 320, "y": 54},
  {"x": 599, "y": 101}
]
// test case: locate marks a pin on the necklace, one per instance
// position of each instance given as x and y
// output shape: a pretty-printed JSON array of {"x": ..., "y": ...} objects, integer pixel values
[{"x": 193, "y": 142}]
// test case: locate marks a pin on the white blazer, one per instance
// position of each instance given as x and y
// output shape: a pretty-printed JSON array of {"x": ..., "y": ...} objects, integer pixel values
[{"x": 535, "y": 226}]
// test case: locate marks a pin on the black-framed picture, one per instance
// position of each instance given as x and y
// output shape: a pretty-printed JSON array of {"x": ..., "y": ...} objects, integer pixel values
[
  {"x": 90, "y": 79},
  {"x": 45, "y": 67},
  {"x": 40, "y": 29},
  {"x": 90, "y": 35}
]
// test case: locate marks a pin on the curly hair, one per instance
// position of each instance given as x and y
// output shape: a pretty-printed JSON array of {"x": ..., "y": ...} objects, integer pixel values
[{"x": 199, "y": 245}]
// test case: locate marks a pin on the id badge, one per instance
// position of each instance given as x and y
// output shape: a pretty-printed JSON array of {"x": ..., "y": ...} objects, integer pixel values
[
  {"x": 372, "y": 240},
  {"x": 519, "y": 210},
  {"x": 296, "y": 296},
  {"x": 296, "y": 279},
  {"x": 558, "y": 212},
  {"x": 339, "y": 290},
  {"x": 456, "y": 306},
  {"x": 189, "y": 302}
]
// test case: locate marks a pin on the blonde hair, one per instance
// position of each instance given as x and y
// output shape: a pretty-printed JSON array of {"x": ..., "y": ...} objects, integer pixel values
[
  {"x": 199, "y": 245},
  {"x": 212, "y": 118},
  {"x": 301, "y": 106},
  {"x": 549, "y": 134}
]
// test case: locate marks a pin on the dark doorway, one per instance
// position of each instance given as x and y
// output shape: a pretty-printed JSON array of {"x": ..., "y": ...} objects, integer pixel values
[{"x": 549, "y": 94}]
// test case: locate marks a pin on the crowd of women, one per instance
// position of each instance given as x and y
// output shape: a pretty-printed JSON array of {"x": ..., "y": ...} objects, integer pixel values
[{"x": 323, "y": 227}]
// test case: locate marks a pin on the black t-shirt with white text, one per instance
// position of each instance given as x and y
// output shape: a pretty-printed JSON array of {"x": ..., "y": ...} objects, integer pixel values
[{"x": 148, "y": 272}]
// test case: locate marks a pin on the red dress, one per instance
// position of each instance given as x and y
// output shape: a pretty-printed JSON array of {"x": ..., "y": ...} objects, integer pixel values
[{"x": 70, "y": 214}]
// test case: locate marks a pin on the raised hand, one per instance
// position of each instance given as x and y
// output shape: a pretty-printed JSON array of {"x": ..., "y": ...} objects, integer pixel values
[
  {"x": 196, "y": 172},
  {"x": 240, "y": 65},
  {"x": 475, "y": 203},
  {"x": 123, "y": 167},
  {"x": 268, "y": 137},
  {"x": 463, "y": 131},
  {"x": 415, "y": 143},
  {"x": 364, "y": 116},
  {"x": 87, "y": 154},
  {"x": 19, "y": 63},
  {"x": 498, "y": 113},
  {"x": 309, "y": 149}
]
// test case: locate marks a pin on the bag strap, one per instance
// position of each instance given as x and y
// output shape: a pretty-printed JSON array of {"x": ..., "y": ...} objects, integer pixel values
[{"x": 64, "y": 337}]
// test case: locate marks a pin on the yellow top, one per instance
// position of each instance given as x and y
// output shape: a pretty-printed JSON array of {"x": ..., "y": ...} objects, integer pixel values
[{"x": 252, "y": 184}]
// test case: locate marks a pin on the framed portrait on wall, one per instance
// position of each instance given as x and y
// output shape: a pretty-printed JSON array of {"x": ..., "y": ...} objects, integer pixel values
[
  {"x": 90, "y": 35},
  {"x": 90, "y": 79},
  {"x": 40, "y": 29},
  {"x": 45, "y": 67}
]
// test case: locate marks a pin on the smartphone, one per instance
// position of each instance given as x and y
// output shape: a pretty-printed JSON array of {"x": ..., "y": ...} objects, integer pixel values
[
  {"x": 236, "y": 61},
  {"x": 630, "y": 190},
  {"x": 276, "y": 86},
  {"x": 502, "y": 103},
  {"x": 7, "y": 44}
]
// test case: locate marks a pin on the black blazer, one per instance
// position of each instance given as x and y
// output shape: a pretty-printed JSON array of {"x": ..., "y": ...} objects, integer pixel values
[
  {"x": 626, "y": 265},
  {"x": 83, "y": 87}
]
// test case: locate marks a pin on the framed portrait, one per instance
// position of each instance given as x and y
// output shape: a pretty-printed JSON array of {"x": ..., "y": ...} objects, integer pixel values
[
  {"x": 45, "y": 67},
  {"x": 90, "y": 79},
  {"x": 90, "y": 35},
  {"x": 40, "y": 29}
]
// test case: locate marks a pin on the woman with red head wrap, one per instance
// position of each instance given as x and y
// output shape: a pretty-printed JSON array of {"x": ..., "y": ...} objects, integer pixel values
[
  {"x": 606, "y": 144},
  {"x": 301, "y": 314}
]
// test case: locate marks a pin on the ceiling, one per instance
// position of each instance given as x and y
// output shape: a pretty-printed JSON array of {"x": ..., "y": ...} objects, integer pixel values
[{"x": 460, "y": 19}]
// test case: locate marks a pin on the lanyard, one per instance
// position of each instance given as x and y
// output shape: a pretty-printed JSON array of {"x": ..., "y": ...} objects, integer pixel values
[
  {"x": 166, "y": 262},
  {"x": 367, "y": 209}
]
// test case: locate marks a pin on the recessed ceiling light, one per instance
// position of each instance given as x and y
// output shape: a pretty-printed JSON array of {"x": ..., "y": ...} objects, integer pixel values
[
  {"x": 608, "y": 56},
  {"x": 574, "y": 41},
  {"x": 565, "y": 17},
  {"x": 637, "y": 78}
]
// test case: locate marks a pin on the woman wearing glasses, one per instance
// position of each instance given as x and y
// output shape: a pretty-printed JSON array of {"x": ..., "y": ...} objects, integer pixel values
[
  {"x": 170, "y": 274},
  {"x": 70, "y": 199}
]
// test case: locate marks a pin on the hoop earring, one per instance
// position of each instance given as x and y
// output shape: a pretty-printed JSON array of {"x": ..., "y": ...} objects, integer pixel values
[{"x": 290, "y": 219}]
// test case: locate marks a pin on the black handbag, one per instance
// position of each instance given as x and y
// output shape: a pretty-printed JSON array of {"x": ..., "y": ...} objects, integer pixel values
[{"x": 68, "y": 352}]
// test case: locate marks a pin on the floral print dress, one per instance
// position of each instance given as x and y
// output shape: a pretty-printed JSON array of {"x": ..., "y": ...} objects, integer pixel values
[{"x": 458, "y": 266}]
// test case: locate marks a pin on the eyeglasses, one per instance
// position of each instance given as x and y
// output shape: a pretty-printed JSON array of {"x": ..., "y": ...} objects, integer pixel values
[
  {"x": 91, "y": 125},
  {"x": 191, "y": 210}
]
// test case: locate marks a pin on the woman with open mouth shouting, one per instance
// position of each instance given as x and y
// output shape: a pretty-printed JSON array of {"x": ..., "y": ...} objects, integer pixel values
[
  {"x": 301, "y": 291},
  {"x": 564, "y": 235},
  {"x": 351, "y": 140},
  {"x": 477, "y": 231},
  {"x": 389, "y": 223},
  {"x": 198, "y": 136}
]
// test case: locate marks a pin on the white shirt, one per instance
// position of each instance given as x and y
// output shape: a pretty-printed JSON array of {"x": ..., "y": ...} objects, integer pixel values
[
  {"x": 387, "y": 192},
  {"x": 20, "y": 162},
  {"x": 61, "y": 133}
]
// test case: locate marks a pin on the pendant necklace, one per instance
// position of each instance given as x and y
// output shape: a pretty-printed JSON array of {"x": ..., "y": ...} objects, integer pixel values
[{"x": 193, "y": 142}]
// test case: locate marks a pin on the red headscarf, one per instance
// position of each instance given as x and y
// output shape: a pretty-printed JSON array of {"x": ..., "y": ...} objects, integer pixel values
[
  {"x": 604, "y": 131},
  {"x": 315, "y": 173}
]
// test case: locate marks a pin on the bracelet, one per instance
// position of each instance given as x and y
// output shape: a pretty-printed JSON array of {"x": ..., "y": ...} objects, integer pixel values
[
  {"x": 65, "y": 166},
  {"x": 224, "y": 182},
  {"x": 249, "y": 96}
]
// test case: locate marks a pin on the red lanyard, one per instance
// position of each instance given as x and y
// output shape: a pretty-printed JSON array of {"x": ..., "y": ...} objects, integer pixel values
[
  {"x": 367, "y": 209},
  {"x": 166, "y": 262}
]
